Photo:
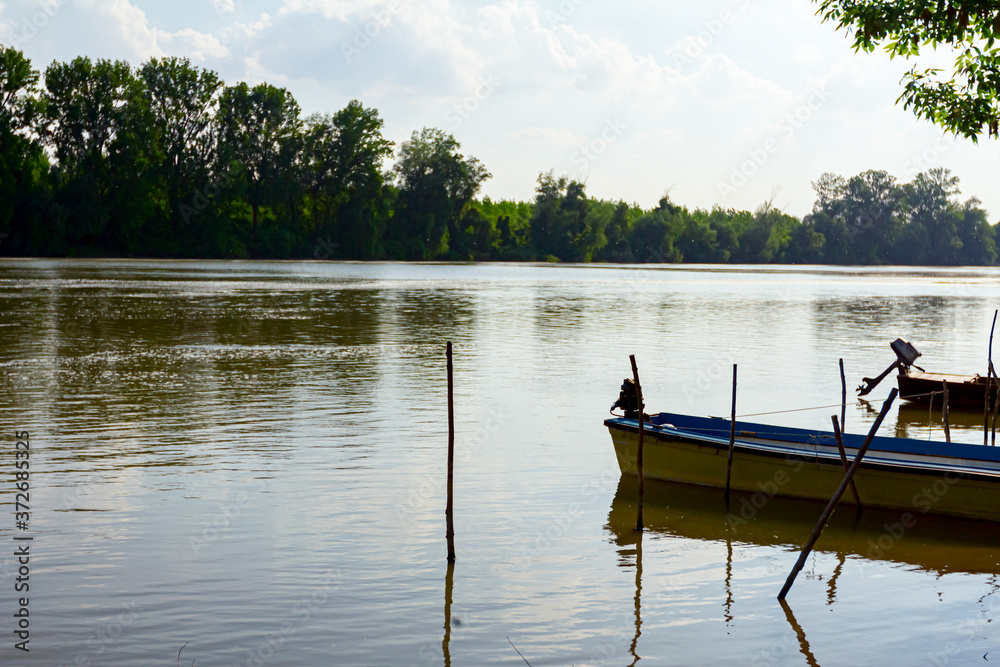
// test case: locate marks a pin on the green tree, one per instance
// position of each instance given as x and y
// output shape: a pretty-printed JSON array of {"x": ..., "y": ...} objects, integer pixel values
[
  {"x": 436, "y": 183},
  {"x": 568, "y": 225},
  {"x": 827, "y": 220},
  {"x": 930, "y": 233},
  {"x": 655, "y": 234},
  {"x": 343, "y": 156},
  {"x": 259, "y": 143},
  {"x": 766, "y": 236},
  {"x": 870, "y": 211},
  {"x": 97, "y": 122},
  {"x": 23, "y": 166},
  {"x": 979, "y": 238},
  {"x": 617, "y": 233},
  {"x": 18, "y": 90},
  {"x": 182, "y": 100},
  {"x": 698, "y": 241},
  {"x": 511, "y": 221},
  {"x": 966, "y": 102}
]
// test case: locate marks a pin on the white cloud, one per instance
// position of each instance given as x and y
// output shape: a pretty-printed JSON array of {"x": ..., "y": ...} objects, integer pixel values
[
  {"x": 223, "y": 7},
  {"x": 552, "y": 136},
  {"x": 193, "y": 44},
  {"x": 339, "y": 10}
]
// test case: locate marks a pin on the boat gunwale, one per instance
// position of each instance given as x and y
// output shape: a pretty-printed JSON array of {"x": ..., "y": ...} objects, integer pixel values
[{"x": 795, "y": 443}]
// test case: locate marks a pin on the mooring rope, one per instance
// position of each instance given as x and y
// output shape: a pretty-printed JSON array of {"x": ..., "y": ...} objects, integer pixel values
[{"x": 781, "y": 412}]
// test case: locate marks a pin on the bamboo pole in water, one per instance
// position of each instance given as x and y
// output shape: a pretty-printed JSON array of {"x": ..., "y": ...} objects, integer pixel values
[
  {"x": 843, "y": 398},
  {"x": 843, "y": 458},
  {"x": 732, "y": 439},
  {"x": 944, "y": 412},
  {"x": 989, "y": 385},
  {"x": 825, "y": 516},
  {"x": 994, "y": 385},
  {"x": 449, "y": 509},
  {"x": 642, "y": 477}
]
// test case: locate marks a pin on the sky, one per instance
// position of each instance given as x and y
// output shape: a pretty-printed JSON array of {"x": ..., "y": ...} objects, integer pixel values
[{"x": 728, "y": 103}]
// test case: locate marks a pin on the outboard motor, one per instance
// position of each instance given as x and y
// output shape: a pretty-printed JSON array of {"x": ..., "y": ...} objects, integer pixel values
[
  {"x": 906, "y": 354},
  {"x": 626, "y": 399}
]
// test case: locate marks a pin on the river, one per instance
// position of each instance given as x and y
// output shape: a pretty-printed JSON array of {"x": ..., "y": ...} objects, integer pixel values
[{"x": 244, "y": 462}]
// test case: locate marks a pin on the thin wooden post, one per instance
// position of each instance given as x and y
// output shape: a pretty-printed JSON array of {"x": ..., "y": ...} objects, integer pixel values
[
  {"x": 843, "y": 398},
  {"x": 944, "y": 412},
  {"x": 825, "y": 516},
  {"x": 843, "y": 458},
  {"x": 989, "y": 375},
  {"x": 996, "y": 403},
  {"x": 449, "y": 509},
  {"x": 642, "y": 477},
  {"x": 732, "y": 439},
  {"x": 930, "y": 415}
]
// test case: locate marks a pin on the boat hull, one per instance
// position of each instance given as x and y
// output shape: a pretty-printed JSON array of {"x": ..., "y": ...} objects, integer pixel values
[
  {"x": 917, "y": 482},
  {"x": 966, "y": 391}
]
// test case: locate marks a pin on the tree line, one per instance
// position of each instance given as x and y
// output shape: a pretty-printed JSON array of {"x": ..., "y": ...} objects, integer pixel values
[{"x": 166, "y": 160}]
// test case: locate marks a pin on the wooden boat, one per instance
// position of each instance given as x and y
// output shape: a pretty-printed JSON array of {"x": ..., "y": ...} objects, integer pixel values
[
  {"x": 964, "y": 391},
  {"x": 919, "y": 386},
  {"x": 913, "y": 476}
]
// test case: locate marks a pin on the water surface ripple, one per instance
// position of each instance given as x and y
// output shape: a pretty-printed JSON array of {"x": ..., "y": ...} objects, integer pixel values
[{"x": 247, "y": 458}]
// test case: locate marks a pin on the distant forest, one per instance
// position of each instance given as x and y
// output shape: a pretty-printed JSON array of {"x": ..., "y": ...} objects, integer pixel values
[{"x": 165, "y": 160}]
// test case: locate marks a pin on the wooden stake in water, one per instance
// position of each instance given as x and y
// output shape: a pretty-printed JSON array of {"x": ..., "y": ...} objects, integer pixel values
[
  {"x": 825, "y": 516},
  {"x": 732, "y": 439},
  {"x": 944, "y": 412},
  {"x": 449, "y": 509},
  {"x": 989, "y": 385},
  {"x": 843, "y": 398},
  {"x": 843, "y": 458},
  {"x": 642, "y": 477},
  {"x": 996, "y": 403}
]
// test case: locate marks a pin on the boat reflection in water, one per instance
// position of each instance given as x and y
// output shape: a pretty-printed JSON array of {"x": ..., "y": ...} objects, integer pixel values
[
  {"x": 933, "y": 543},
  {"x": 936, "y": 544},
  {"x": 918, "y": 422}
]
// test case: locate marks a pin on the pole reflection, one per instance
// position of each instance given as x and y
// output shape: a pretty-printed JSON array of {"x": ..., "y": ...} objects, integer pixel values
[
  {"x": 800, "y": 635},
  {"x": 449, "y": 584}
]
